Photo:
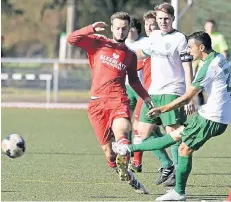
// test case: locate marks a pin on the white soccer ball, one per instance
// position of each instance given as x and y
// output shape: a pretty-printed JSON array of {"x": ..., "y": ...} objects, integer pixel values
[{"x": 13, "y": 145}]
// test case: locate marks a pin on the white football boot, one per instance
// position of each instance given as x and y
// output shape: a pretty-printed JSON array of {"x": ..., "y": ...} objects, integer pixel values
[{"x": 172, "y": 195}]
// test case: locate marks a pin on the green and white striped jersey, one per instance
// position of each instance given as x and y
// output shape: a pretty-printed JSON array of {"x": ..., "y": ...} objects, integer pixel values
[{"x": 215, "y": 78}]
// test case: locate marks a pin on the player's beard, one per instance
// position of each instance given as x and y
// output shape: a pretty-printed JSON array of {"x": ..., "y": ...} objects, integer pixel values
[{"x": 120, "y": 40}]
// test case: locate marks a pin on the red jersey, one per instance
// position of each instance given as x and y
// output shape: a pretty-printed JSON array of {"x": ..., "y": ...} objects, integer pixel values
[
  {"x": 140, "y": 64},
  {"x": 109, "y": 62},
  {"x": 146, "y": 72}
]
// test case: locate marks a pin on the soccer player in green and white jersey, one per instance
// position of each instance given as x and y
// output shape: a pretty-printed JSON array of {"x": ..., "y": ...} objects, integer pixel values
[
  {"x": 211, "y": 120},
  {"x": 136, "y": 41},
  {"x": 171, "y": 74}
]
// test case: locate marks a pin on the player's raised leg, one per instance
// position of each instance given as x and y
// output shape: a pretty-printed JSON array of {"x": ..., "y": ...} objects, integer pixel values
[
  {"x": 150, "y": 143},
  {"x": 121, "y": 128},
  {"x": 98, "y": 118},
  {"x": 129, "y": 176}
]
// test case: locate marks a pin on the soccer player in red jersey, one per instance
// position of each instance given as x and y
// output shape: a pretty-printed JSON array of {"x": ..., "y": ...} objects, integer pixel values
[{"x": 110, "y": 60}]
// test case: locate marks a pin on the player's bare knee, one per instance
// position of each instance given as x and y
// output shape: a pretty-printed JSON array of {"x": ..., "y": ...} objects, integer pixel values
[
  {"x": 145, "y": 129},
  {"x": 184, "y": 150},
  {"x": 121, "y": 133},
  {"x": 171, "y": 128},
  {"x": 135, "y": 125},
  {"x": 144, "y": 134},
  {"x": 176, "y": 134},
  {"x": 121, "y": 127}
]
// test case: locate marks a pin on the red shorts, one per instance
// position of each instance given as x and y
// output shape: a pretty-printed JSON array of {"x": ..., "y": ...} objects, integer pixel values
[
  {"x": 102, "y": 112},
  {"x": 138, "y": 109}
]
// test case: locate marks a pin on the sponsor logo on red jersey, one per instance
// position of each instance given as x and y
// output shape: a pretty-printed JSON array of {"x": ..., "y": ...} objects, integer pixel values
[{"x": 113, "y": 61}]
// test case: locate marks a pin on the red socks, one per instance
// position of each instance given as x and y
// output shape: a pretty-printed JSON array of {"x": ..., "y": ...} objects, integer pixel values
[{"x": 137, "y": 159}]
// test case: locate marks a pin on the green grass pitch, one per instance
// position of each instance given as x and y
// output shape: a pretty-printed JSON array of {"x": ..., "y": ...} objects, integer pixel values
[{"x": 64, "y": 162}]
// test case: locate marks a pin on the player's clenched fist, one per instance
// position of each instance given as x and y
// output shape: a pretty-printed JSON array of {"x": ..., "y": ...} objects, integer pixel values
[{"x": 99, "y": 26}]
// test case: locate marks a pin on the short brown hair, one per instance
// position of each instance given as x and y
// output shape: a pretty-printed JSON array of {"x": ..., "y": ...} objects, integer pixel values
[
  {"x": 165, "y": 7},
  {"x": 135, "y": 22},
  {"x": 149, "y": 14},
  {"x": 121, "y": 16}
]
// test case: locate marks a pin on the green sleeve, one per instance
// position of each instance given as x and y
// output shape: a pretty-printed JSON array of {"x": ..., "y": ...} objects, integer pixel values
[
  {"x": 201, "y": 76},
  {"x": 145, "y": 53}
]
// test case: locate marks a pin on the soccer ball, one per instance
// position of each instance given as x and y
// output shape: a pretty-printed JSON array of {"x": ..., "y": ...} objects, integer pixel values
[{"x": 13, "y": 145}]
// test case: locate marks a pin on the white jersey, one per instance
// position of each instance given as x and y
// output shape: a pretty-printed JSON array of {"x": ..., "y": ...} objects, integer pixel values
[
  {"x": 215, "y": 78},
  {"x": 134, "y": 46},
  {"x": 166, "y": 67}
]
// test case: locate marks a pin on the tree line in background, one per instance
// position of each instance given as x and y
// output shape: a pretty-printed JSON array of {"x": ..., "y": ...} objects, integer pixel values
[{"x": 32, "y": 28}]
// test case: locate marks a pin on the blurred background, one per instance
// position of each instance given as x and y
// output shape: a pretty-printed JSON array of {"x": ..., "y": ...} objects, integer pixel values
[{"x": 37, "y": 64}]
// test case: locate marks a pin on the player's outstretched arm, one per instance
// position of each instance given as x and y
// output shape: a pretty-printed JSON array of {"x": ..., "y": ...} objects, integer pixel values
[
  {"x": 177, "y": 103},
  {"x": 85, "y": 38},
  {"x": 79, "y": 35}
]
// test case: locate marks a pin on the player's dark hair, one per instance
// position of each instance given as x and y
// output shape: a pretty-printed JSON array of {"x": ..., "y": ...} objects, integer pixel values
[
  {"x": 211, "y": 21},
  {"x": 149, "y": 14},
  {"x": 121, "y": 16},
  {"x": 203, "y": 38},
  {"x": 135, "y": 22},
  {"x": 165, "y": 7}
]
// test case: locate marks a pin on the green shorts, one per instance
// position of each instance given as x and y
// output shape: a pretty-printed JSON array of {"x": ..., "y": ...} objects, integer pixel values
[
  {"x": 133, "y": 97},
  {"x": 177, "y": 116},
  {"x": 198, "y": 130}
]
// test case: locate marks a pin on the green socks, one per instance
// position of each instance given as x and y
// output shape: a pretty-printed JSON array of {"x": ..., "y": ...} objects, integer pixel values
[
  {"x": 163, "y": 157},
  {"x": 174, "y": 151},
  {"x": 153, "y": 143},
  {"x": 161, "y": 154},
  {"x": 182, "y": 172}
]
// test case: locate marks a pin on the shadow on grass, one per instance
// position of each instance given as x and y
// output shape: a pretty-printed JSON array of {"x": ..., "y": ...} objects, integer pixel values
[
  {"x": 211, "y": 174},
  {"x": 197, "y": 174},
  {"x": 208, "y": 186},
  {"x": 200, "y": 197}
]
